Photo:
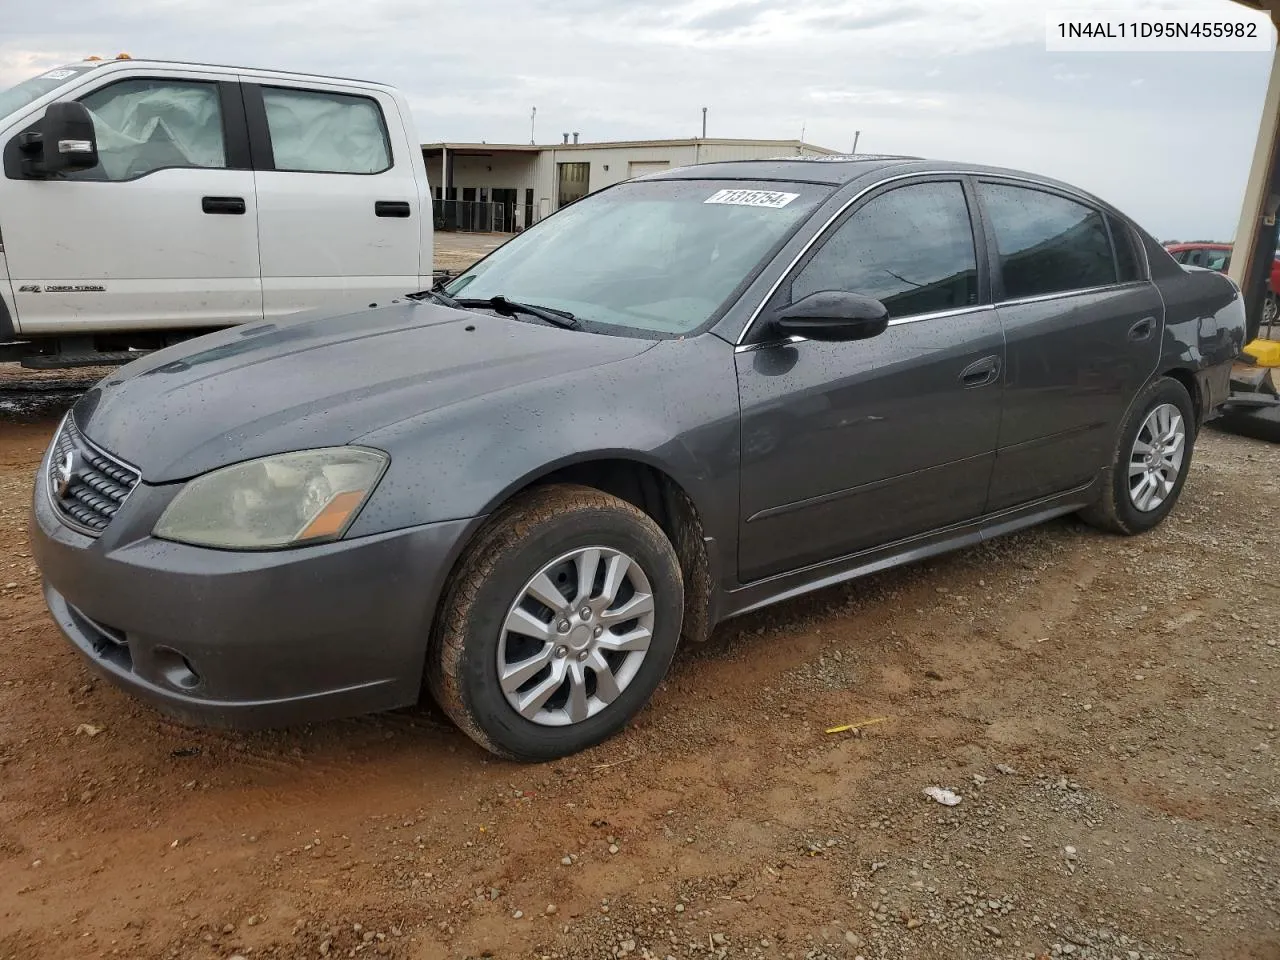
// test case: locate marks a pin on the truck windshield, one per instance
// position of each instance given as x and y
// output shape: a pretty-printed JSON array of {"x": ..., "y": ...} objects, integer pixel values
[
  {"x": 650, "y": 258},
  {"x": 15, "y": 98}
]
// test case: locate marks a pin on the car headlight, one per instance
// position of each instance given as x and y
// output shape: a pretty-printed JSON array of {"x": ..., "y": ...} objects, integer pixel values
[{"x": 291, "y": 499}]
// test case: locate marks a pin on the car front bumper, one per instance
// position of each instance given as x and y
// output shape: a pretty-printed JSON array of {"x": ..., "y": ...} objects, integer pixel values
[{"x": 246, "y": 640}]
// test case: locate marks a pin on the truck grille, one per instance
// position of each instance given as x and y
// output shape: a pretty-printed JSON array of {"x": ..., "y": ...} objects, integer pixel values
[{"x": 86, "y": 484}]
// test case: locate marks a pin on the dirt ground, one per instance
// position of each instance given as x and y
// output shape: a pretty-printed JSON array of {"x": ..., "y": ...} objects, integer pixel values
[
  {"x": 1106, "y": 708},
  {"x": 457, "y": 251}
]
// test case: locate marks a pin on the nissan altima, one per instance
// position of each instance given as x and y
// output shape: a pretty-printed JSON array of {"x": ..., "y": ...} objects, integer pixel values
[{"x": 678, "y": 399}]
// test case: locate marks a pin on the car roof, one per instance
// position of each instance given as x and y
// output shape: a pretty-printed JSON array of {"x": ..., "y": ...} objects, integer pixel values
[
  {"x": 839, "y": 170},
  {"x": 1193, "y": 245}
]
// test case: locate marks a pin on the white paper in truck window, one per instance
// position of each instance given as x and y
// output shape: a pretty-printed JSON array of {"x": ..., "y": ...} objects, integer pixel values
[
  {"x": 57, "y": 75},
  {"x": 752, "y": 198}
]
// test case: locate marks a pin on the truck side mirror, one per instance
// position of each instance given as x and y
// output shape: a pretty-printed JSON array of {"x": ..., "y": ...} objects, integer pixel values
[{"x": 63, "y": 140}]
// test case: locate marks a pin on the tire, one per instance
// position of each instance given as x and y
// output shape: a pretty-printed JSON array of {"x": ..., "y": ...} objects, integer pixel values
[
  {"x": 553, "y": 530},
  {"x": 1270, "y": 311},
  {"x": 1122, "y": 509}
]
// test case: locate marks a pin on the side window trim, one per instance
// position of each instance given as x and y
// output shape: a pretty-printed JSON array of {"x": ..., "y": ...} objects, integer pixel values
[
  {"x": 833, "y": 228},
  {"x": 997, "y": 280},
  {"x": 259, "y": 130},
  {"x": 235, "y": 135}
]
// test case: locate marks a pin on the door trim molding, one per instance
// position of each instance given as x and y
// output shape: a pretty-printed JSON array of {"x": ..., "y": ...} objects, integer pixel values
[
  {"x": 834, "y": 495},
  {"x": 795, "y": 583}
]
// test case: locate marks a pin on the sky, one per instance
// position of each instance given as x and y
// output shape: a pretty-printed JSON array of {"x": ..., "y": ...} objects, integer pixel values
[{"x": 1166, "y": 137}]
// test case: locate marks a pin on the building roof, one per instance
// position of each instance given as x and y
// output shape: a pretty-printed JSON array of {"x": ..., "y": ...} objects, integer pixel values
[{"x": 612, "y": 144}]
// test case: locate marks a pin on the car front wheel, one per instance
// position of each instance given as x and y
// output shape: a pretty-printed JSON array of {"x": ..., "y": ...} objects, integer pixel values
[
  {"x": 558, "y": 625},
  {"x": 1150, "y": 462}
]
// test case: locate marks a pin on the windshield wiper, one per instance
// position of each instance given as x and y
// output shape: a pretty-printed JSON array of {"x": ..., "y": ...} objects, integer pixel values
[
  {"x": 435, "y": 295},
  {"x": 558, "y": 318}
]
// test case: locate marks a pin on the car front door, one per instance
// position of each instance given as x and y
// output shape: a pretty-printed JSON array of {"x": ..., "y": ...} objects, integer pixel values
[
  {"x": 1082, "y": 326},
  {"x": 339, "y": 204},
  {"x": 163, "y": 232},
  {"x": 849, "y": 445}
]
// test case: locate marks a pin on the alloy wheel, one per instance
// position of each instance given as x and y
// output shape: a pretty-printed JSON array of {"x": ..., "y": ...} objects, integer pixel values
[
  {"x": 1157, "y": 456},
  {"x": 576, "y": 636}
]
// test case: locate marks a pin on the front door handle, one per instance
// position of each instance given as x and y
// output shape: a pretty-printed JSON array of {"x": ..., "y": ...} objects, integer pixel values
[
  {"x": 234, "y": 205},
  {"x": 391, "y": 208},
  {"x": 981, "y": 372},
  {"x": 1143, "y": 329}
]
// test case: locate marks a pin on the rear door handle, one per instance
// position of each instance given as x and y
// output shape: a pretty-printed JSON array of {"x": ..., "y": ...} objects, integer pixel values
[
  {"x": 1143, "y": 329},
  {"x": 391, "y": 208},
  {"x": 233, "y": 205},
  {"x": 981, "y": 372}
]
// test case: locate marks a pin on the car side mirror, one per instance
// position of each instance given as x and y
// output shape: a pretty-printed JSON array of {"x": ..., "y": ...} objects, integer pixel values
[
  {"x": 832, "y": 315},
  {"x": 63, "y": 140}
]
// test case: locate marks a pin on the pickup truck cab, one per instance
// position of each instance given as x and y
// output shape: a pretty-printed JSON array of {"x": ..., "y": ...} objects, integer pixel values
[{"x": 145, "y": 201}]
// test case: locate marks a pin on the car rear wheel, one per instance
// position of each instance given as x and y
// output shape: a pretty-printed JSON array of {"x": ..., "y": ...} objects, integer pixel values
[
  {"x": 558, "y": 625},
  {"x": 1150, "y": 462},
  {"x": 1270, "y": 310}
]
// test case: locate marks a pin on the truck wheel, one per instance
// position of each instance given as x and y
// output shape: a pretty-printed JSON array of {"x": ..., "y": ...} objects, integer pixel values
[
  {"x": 1150, "y": 462},
  {"x": 558, "y": 624},
  {"x": 1270, "y": 310}
]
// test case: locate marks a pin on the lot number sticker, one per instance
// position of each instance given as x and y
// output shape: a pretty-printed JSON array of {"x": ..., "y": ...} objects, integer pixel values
[
  {"x": 752, "y": 198},
  {"x": 58, "y": 75}
]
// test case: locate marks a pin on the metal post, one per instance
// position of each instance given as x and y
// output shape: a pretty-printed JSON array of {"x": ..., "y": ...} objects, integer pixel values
[
  {"x": 704, "y": 123},
  {"x": 1254, "y": 249},
  {"x": 533, "y": 118},
  {"x": 856, "y": 135}
]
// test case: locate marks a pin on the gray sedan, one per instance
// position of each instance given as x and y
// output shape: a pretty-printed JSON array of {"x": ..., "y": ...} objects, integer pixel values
[{"x": 674, "y": 401}]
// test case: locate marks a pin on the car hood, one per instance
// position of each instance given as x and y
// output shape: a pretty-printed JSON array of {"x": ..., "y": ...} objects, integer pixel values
[{"x": 319, "y": 380}]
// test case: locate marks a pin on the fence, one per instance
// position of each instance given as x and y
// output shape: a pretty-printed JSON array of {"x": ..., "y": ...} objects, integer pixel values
[{"x": 476, "y": 216}]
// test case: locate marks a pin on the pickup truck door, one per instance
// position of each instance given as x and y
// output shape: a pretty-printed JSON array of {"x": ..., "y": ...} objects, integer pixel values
[
  {"x": 161, "y": 233},
  {"x": 340, "y": 196}
]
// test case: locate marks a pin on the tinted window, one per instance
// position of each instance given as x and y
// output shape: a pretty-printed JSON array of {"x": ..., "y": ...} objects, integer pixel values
[
  {"x": 315, "y": 132},
  {"x": 1047, "y": 244},
  {"x": 911, "y": 248},
  {"x": 1195, "y": 257},
  {"x": 1128, "y": 259},
  {"x": 1179, "y": 255},
  {"x": 147, "y": 125}
]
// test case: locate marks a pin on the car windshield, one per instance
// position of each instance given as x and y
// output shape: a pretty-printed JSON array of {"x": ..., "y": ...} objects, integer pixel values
[
  {"x": 15, "y": 98},
  {"x": 651, "y": 258}
]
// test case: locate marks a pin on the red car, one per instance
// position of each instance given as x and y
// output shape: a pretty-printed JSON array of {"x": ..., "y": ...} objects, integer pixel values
[{"x": 1217, "y": 256}]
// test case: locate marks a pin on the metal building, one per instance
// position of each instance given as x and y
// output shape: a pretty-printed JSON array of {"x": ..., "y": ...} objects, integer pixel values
[{"x": 505, "y": 187}]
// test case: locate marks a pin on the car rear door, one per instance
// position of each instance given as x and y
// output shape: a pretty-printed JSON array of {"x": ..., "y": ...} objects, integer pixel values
[
  {"x": 847, "y": 446},
  {"x": 1082, "y": 326},
  {"x": 161, "y": 233},
  {"x": 339, "y": 206}
]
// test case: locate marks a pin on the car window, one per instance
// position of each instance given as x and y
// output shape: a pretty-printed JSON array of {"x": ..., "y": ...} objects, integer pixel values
[
  {"x": 1218, "y": 260},
  {"x": 1179, "y": 255},
  {"x": 1047, "y": 244},
  {"x": 651, "y": 258},
  {"x": 314, "y": 132},
  {"x": 1128, "y": 260},
  {"x": 911, "y": 248},
  {"x": 146, "y": 125},
  {"x": 1195, "y": 257}
]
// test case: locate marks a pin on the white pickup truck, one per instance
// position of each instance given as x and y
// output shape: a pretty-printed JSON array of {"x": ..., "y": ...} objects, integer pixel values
[{"x": 145, "y": 201}]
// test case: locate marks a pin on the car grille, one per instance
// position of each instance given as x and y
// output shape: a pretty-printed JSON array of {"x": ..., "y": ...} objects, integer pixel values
[{"x": 86, "y": 484}]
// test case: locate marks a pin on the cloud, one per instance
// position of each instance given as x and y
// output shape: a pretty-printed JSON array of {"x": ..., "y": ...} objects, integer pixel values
[{"x": 969, "y": 79}]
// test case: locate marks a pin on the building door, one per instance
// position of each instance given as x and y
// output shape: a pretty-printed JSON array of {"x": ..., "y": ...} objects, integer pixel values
[
  {"x": 575, "y": 179},
  {"x": 638, "y": 168}
]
